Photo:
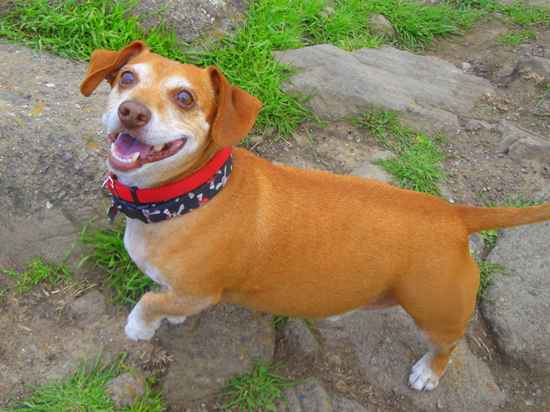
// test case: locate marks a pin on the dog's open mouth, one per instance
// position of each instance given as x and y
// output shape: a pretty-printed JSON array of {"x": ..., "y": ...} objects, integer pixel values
[{"x": 129, "y": 153}]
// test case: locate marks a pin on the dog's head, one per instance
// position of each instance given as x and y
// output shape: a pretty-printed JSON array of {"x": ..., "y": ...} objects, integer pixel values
[{"x": 164, "y": 117}]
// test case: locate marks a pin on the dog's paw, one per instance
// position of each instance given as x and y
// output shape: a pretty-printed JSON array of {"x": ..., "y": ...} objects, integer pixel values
[
  {"x": 422, "y": 378},
  {"x": 137, "y": 329},
  {"x": 176, "y": 320}
]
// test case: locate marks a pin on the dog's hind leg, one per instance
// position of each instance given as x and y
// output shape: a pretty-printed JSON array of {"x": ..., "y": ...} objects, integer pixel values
[
  {"x": 441, "y": 306},
  {"x": 147, "y": 315}
]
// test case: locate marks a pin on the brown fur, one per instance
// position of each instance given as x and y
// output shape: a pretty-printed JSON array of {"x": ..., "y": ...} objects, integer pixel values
[{"x": 313, "y": 244}]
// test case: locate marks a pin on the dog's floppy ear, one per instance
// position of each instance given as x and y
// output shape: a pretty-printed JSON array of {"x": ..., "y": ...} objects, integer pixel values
[
  {"x": 235, "y": 113},
  {"x": 105, "y": 63}
]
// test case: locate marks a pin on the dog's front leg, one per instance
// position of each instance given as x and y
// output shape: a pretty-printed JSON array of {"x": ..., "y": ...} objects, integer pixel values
[{"x": 147, "y": 315}]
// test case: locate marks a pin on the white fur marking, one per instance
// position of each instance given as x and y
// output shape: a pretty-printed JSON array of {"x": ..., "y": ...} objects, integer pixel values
[
  {"x": 136, "y": 247},
  {"x": 422, "y": 378},
  {"x": 176, "y": 82},
  {"x": 176, "y": 320},
  {"x": 136, "y": 328},
  {"x": 144, "y": 73}
]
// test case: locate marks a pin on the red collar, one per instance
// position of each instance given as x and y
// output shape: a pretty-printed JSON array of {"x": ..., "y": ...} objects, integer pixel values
[{"x": 171, "y": 190}]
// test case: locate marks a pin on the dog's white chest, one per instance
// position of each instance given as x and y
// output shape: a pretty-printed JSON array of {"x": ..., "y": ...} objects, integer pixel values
[{"x": 136, "y": 246}]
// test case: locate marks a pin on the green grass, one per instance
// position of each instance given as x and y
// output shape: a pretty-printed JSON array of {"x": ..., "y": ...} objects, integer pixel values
[
  {"x": 74, "y": 28},
  {"x": 259, "y": 390},
  {"x": 516, "y": 37},
  {"x": 487, "y": 272},
  {"x": 417, "y": 164},
  {"x": 38, "y": 271},
  {"x": 490, "y": 238},
  {"x": 279, "y": 321},
  {"x": 518, "y": 12},
  {"x": 85, "y": 391},
  {"x": 124, "y": 278}
]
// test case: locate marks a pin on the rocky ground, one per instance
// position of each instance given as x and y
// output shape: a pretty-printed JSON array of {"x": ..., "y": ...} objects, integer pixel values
[{"x": 488, "y": 98}]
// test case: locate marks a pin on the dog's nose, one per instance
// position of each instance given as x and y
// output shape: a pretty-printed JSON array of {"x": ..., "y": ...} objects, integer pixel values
[{"x": 133, "y": 114}]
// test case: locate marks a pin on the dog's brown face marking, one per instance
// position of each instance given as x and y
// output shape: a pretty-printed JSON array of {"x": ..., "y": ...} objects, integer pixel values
[{"x": 158, "y": 118}]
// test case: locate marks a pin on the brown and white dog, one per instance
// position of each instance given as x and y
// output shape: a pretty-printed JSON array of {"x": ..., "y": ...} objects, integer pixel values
[{"x": 277, "y": 239}]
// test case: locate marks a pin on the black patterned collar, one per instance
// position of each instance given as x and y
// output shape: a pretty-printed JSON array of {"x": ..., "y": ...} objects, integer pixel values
[{"x": 165, "y": 202}]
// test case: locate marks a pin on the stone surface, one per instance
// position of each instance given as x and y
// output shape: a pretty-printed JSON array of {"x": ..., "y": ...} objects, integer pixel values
[
  {"x": 521, "y": 144},
  {"x": 51, "y": 154},
  {"x": 306, "y": 397},
  {"x": 340, "y": 404},
  {"x": 38, "y": 346},
  {"x": 386, "y": 344},
  {"x": 193, "y": 18},
  {"x": 378, "y": 24},
  {"x": 430, "y": 90},
  {"x": 310, "y": 396},
  {"x": 125, "y": 389},
  {"x": 477, "y": 245},
  {"x": 212, "y": 347},
  {"x": 537, "y": 68},
  {"x": 300, "y": 339},
  {"x": 88, "y": 307},
  {"x": 370, "y": 170},
  {"x": 517, "y": 305}
]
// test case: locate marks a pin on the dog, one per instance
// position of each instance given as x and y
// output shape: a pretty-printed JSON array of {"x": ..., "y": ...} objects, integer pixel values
[{"x": 214, "y": 223}]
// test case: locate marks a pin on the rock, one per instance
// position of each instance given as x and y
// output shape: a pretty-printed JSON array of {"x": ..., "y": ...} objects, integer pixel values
[
  {"x": 537, "y": 68},
  {"x": 474, "y": 125},
  {"x": 340, "y": 404},
  {"x": 193, "y": 18},
  {"x": 370, "y": 170},
  {"x": 46, "y": 233},
  {"x": 89, "y": 307},
  {"x": 60, "y": 122},
  {"x": 521, "y": 144},
  {"x": 477, "y": 246},
  {"x": 307, "y": 397},
  {"x": 465, "y": 66},
  {"x": 386, "y": 345},
  {"x": 227, "y": 341},
  {"x": 432, "y": 91},
  {"x": 300, "y": 339},
  {"x": 125, "y": 389},
  {"x": 378, "y": 24},
  {"x": 517, "y": 305}
]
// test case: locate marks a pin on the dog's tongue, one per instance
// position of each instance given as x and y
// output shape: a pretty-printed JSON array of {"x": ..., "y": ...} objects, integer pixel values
[{"x": 126, "y": 146}]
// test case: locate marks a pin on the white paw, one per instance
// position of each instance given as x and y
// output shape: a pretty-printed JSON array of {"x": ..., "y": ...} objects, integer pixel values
[
  {"x": 136, "y": 328},
  {"x": 175, "y": 320},
  {"x": 422, "y": 378}
]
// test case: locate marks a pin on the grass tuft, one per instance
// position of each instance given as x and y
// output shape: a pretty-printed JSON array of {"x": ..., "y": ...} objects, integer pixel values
[
  {"x": 516, "y": 37},
  {"x": 124, "y": 278},
  {"x": 487, "y": 272},
  {"x": 36, "y": 272},
  {"x": 258, "y": 390},
  {"x": 417, "y": 164},
  {"x": 85, "y": 391}
]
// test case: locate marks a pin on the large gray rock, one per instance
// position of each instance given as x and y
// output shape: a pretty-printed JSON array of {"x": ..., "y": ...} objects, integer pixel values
[
  {"x": 517, "y": 305},
  {"x": 212, "y": 347},
  {"x": 193, "y": 18},
  {"x": 386, "y": 343},
  {"x": 521, "y": 144},
  {"x": 51, "y": 154},
  {"x": 344, "y": 83}
]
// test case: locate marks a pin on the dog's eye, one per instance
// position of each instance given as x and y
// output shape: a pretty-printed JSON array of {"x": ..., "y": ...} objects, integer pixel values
[
  {"x": 127, "y": 79},
  {"x": 185, "y": 99}
]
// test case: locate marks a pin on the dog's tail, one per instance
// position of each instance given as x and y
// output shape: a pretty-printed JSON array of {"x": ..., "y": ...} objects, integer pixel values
[{"x": 482, "y": 218}]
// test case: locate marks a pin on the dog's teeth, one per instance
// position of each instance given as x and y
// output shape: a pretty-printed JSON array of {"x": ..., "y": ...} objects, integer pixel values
[
  {"x": 158, "y": 147},
  {"x": 113, "y": 148},
  {"x": 134, "y": 157}
]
